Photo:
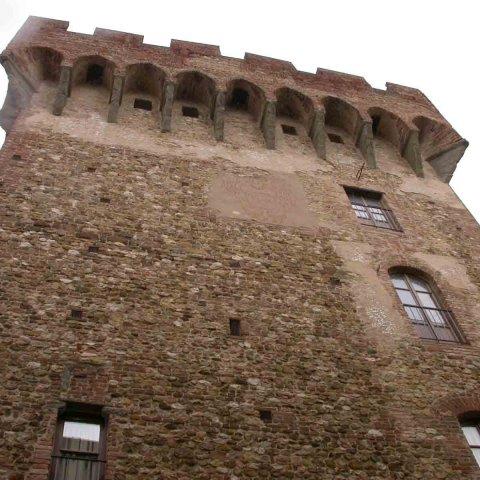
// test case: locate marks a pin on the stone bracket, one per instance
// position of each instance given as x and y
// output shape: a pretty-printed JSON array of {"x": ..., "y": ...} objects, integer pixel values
[
  {"x": 411, "y": 153},
  {"x": 317, "y": 133},
  {"x": 268, "y": 124},
  {"x": 116, "y": 98},
  {"x": 63, "y": 90},
  {"x": 219, "y": 116},
  {"x": 366, "y": 146},
  {"x": 168, "y": 96}
]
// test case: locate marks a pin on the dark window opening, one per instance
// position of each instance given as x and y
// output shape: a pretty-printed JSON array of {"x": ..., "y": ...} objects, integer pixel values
[
  {"x": 93, "y": 248},
  {"x": 334, "y": 138},
  {"x": 16, "y": 156},
  {"x": 289, "y": 129},
  {"x": 79, "y": 450},
  {"x": 265, "y": 416},
  {"x": 76, "y": 313},
  {"x": 190, "y": 112},
  {"x": 235, "y": 327},
  {"x": 239, "y": 99},
  {"x": 105, "y": 199},
  {"x": 95, "y": 75},
  {"x": 370, "y": 209},
  {"x": 424, "y": 309},
  {"x": 470, "y": 426},
  {"x": 91, "y": 169},
  {"x": 142, "y": 104},
  {"x": 375, "y": 123}
]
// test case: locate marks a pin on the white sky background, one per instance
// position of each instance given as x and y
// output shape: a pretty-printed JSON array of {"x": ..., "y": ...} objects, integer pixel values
[{"x": 431, "y": 45}]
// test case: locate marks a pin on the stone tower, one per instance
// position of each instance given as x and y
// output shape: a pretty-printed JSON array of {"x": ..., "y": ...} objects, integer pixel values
[{"x": 223, "y": 269}]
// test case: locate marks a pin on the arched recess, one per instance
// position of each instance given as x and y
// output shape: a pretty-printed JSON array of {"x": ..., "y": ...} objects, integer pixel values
[
  {"x": 341, "y": 120},
  {"x": 243, "y": 95},
  {"x": 193, "y": 108},
  {"x": 33, "y": 70},
  {"x": 143, "y": 91},
  {"x": 294, "y": 107},
  {"x": 440, "y": 145},
  {"x": 389, "y": 127},
  {"x": 91, "y": 85},
  {"x": 245, "y": 103}
]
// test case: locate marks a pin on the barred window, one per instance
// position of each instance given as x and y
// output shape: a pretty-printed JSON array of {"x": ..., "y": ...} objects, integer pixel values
[
  {"x": 424, "y": 309},
  {"x": 79, "y": 451},
  {"x": 370, "y": 209},
  {"x": 470, "y": 425}
]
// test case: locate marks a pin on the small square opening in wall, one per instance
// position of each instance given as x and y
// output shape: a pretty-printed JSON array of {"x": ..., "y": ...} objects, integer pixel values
[
  {"x": 142, "y": 104},
  {"x": 93, "y": 248},
  {"x": 16, "y": 156},
  {"x": 91, "y": 169},
  {"x": 289, "y": 129},
  {"x": 105, "y": 199},
  {"x": 76, "y": 313},
  {"x": 190, "y": 111},
  {"x": 235, "y": 327},
  {"x": 265, "y": 415},
  {"x": 334, "y": 138}
]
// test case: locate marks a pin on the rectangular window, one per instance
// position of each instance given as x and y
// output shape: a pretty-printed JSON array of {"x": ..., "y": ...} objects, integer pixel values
[
  {"x": 142, "y": 103},
  {"x": 79, "y": 451},
  {"x": 289, "y": 129},
  {"x": 334, "y": 138},
  {"x": 370, "y": 209},
  {"x": 190, "y": 112},
  {"x": 235, "y": 327}
]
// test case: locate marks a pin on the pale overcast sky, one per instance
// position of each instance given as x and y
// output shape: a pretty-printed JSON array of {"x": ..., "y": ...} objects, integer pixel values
[{"x": 428, "y": 44}]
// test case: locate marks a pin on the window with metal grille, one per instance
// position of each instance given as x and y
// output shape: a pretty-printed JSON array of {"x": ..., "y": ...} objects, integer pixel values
[
  {"x": 471, "y": 431},
  {"x": 334, "y": 138},
  {"x": 79, "y": 451},
  {"x": 370, "y": 209},
  {"x": 424, "y": 309}
]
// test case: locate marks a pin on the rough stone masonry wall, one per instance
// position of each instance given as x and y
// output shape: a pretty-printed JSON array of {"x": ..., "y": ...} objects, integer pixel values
[{"x": 192, "y": 233}]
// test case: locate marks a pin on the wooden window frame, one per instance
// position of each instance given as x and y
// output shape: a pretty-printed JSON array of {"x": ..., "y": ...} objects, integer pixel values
[
  {"x": 424, "y": 312},
  {"x": 84, "y": 413},
  {"x": 371, "y": 212},
  {"x": 471, "y": 423}
]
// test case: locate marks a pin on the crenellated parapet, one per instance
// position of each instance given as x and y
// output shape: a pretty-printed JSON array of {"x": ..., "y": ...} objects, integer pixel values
[{"x": 269, "y": 89}]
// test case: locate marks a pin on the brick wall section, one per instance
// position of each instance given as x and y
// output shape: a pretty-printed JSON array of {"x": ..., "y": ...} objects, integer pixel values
[{"x": 354, "y": 393}]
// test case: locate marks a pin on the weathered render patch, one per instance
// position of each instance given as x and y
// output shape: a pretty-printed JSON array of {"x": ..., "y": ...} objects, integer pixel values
[{"x": 271, "y": 198}]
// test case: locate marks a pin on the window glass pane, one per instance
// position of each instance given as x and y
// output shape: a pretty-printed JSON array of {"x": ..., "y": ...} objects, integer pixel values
[
  {"x": 81, "y": 431},
  {"x": 406, "y": 297},
  {"x": 476, "y": 454},
  {"x": 426, "y": 300},
  {"x": 372, "y": 201},
  {"x": 436, "y": 318},
  {"x": 472, "y": 435},
  {"x": 360, "y": 211},
  {"x": 398, "y": 281},
  {"x": 419, "y": 285},
  {"x": 415, "y": 314},
  {"x": 378, "y": 215}
]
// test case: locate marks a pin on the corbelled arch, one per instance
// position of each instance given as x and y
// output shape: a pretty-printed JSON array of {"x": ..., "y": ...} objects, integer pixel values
[
  {"x": 144, "y": 78},
  {"x": 295, "y": 105},
  {"x": 390, "y": 127},
  {"x": 244, "y": 95},
  {"x": 342, "y": 115},
  {"x": 196, "y": 87},
  {"x": 95, "y": 70},
  {"x": 27, "y": 69}
]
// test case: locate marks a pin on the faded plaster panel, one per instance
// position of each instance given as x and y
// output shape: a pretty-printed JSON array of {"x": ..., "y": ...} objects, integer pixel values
[
  {"x": 371, "y": 296},
  {"x": 273, "y": 198},
  {"x": 454, "y": 272},
  {"x": 433, "y": 188}
]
